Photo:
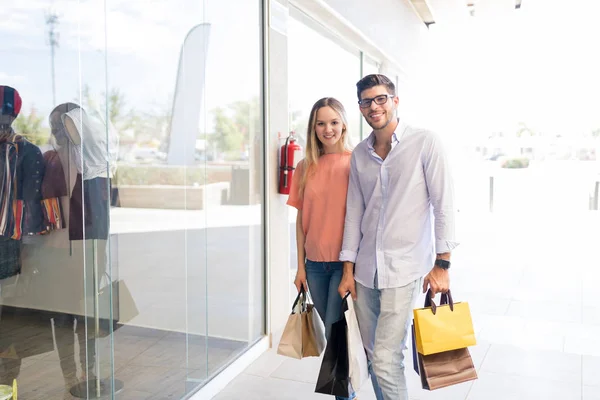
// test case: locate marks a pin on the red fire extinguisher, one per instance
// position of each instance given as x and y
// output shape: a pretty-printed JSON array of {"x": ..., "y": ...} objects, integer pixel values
[{"x": 291, "y": 154}]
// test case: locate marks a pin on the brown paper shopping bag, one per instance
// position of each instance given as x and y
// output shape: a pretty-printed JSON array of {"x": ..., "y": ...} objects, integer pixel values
[
  {"x": 446, "y": 369},
  {"x": 303, "y": 335}
]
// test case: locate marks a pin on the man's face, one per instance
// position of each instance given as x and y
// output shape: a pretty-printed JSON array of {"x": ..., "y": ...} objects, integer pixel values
[{"x": 378, "y": 115}]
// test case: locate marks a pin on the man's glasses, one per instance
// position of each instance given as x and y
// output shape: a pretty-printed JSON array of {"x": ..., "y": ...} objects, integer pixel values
[{"x": 379, "y": 100}]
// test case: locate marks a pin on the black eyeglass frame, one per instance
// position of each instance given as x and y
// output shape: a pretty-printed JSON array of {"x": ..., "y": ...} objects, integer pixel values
[{"x": 379, "y": 100}]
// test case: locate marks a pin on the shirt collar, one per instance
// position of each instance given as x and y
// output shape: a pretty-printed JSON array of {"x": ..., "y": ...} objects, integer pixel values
[{"x": 398, "y": 133}]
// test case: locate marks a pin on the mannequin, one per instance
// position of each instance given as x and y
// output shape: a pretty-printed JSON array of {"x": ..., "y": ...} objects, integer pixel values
[
  {"x": 72, "y": 130},
  {"x": 84, "y": 158}
]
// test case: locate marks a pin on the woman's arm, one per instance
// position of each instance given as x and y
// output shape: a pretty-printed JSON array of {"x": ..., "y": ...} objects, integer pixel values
[{"x": 300, "y": 240}]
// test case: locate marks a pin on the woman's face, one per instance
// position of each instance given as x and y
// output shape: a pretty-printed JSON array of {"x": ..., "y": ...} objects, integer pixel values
[{"x": 329, "y": 129}]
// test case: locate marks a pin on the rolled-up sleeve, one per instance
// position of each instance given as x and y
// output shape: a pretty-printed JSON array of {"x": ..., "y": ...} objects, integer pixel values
[
  {"x": 355, "y": 209},
  {"x": 441, "y": 193}
]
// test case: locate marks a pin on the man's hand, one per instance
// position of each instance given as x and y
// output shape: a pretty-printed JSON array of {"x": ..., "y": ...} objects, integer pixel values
[
  {"x": 348, "y": 284},
  {"x": 438, "y": 279}
]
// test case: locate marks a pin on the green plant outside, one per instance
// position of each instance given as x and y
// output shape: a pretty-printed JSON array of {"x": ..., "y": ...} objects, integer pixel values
[{"x": 515, "y": 162}]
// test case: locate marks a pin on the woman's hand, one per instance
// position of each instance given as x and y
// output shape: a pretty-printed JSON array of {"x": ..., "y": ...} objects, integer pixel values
[{"x": 301, "y": 279}]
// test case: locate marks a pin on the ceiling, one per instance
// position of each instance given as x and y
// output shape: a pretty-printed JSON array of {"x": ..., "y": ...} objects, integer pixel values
[{"x": 432, "y": 11}]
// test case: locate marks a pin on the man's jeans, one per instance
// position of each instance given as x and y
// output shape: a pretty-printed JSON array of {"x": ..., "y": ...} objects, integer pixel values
[
  {"x": 384, "y": 317},
  {"x": 323, "y": 281}
]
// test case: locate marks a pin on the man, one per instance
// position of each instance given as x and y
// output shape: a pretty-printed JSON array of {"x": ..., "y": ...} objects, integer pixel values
[{"x": 398, "y": 175}]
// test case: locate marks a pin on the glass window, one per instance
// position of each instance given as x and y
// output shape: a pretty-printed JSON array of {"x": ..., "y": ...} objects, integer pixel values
[
  {"x": 320, "y": 66},
  {"x": 369, "y": 66},
  {"x": 142, "y": 127}
]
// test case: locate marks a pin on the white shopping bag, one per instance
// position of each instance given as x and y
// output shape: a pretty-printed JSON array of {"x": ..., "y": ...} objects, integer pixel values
[{"x": 357, "y": 358}]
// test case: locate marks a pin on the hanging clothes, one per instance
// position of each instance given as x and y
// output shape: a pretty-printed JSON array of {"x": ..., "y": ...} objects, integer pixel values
[
  {"x": 88, "y": 202},
  {"x": 85, "y": 159},
  {"x": 8, "y": 167},
  {"x": 21, "y": 212}
]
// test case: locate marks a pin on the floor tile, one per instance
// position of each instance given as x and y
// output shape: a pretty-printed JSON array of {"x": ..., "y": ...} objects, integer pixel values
[
  {"x": 591, "y": 371},
  {"x": 251, "y": 387},
  {"x": 591, "y": 393},
  {"x": 586, "y": 341},
  {"x": 266, "y": 364},
  {"x": 545, "y": 311},
  {"x": 510, "y": 360},
  {"x": 591, "y": 315},
  {"x": 493, "y": 386},
  {"x": 145, "y": 378},
  {"x": 455, "y": 392},
  {"x": 305, "y": 370}
]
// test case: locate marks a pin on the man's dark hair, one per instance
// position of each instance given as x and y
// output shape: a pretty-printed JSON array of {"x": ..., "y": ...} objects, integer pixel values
[{"x": 373, "y": 80}]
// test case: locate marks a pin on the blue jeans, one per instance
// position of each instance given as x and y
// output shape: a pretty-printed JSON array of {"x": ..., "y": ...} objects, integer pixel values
[
  {"x": 323, "y": 280},
  {"x": 384, "y": 317}
]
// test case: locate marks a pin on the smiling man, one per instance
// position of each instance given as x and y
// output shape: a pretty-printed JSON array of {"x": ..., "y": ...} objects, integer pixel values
[{"x": 399, "y": 181}]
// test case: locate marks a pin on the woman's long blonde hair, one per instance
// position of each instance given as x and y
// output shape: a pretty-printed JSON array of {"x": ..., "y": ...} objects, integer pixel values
[{"x": 314, "y": 147}]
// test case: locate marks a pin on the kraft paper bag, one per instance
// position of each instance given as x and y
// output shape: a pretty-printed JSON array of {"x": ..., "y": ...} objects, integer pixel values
[{"x": 304, "y": 333}]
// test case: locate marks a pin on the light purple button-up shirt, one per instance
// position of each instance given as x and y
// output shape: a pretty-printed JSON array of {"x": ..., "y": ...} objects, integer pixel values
[{"x": 399, "y": 211}]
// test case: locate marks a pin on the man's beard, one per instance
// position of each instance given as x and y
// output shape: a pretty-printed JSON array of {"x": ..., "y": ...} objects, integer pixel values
[{"x": 386, "y": 123}]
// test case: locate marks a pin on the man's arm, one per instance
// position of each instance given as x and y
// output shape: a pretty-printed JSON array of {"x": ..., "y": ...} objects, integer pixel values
[
  {"x": 441, "y": 195},
  {"x": 355, "y": 209}
]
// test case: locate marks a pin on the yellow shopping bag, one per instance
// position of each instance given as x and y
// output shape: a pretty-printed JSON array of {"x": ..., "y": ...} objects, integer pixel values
[{"x": 443, "y": 328}]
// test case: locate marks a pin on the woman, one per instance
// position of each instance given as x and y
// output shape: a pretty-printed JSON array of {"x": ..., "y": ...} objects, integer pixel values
[{"x": 319, "y": 191}]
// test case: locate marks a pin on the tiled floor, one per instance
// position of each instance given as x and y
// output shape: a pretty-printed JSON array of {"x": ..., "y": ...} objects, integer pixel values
[
  {"x": 152, "y": 364},
  {"x": 534, "y": 300}
]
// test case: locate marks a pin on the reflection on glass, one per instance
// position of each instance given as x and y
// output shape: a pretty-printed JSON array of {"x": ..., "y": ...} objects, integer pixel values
[
  {"x": 320, "y": 66},
  {"x": 369, "y": 67},
  {"x": 171, "y": 246}
]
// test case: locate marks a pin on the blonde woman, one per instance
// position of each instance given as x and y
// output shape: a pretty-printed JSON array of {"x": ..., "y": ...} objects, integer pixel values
[{"x": 319, "y": 191}]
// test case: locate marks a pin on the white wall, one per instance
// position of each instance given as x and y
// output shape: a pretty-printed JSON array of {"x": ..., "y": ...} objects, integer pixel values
[
  {"x": 278, "y": 250},
  {"x": 395, "y": 27},
  {"x": 391, "y": 24}
]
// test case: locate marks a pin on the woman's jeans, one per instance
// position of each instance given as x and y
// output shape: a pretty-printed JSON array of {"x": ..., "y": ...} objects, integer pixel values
[{"x": 323, "y": 281}]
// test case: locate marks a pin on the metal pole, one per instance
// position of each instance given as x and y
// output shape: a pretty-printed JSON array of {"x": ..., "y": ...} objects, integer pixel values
[
  {"x": 594, "y": 205},
  {"x": 52, "y": 21},
  {"x": 53, "y": 76},
  {"x": 96, "y": 319},
  {"x": 491, "y": 194}
]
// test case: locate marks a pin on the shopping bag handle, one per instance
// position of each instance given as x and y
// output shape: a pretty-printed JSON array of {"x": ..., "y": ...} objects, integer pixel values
[
  {"x": 445, "y": 299},
  {"x": 300, "y": 294},
  {"x": 345, "y": 302},
  {"x": 307, "y": 299}
]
